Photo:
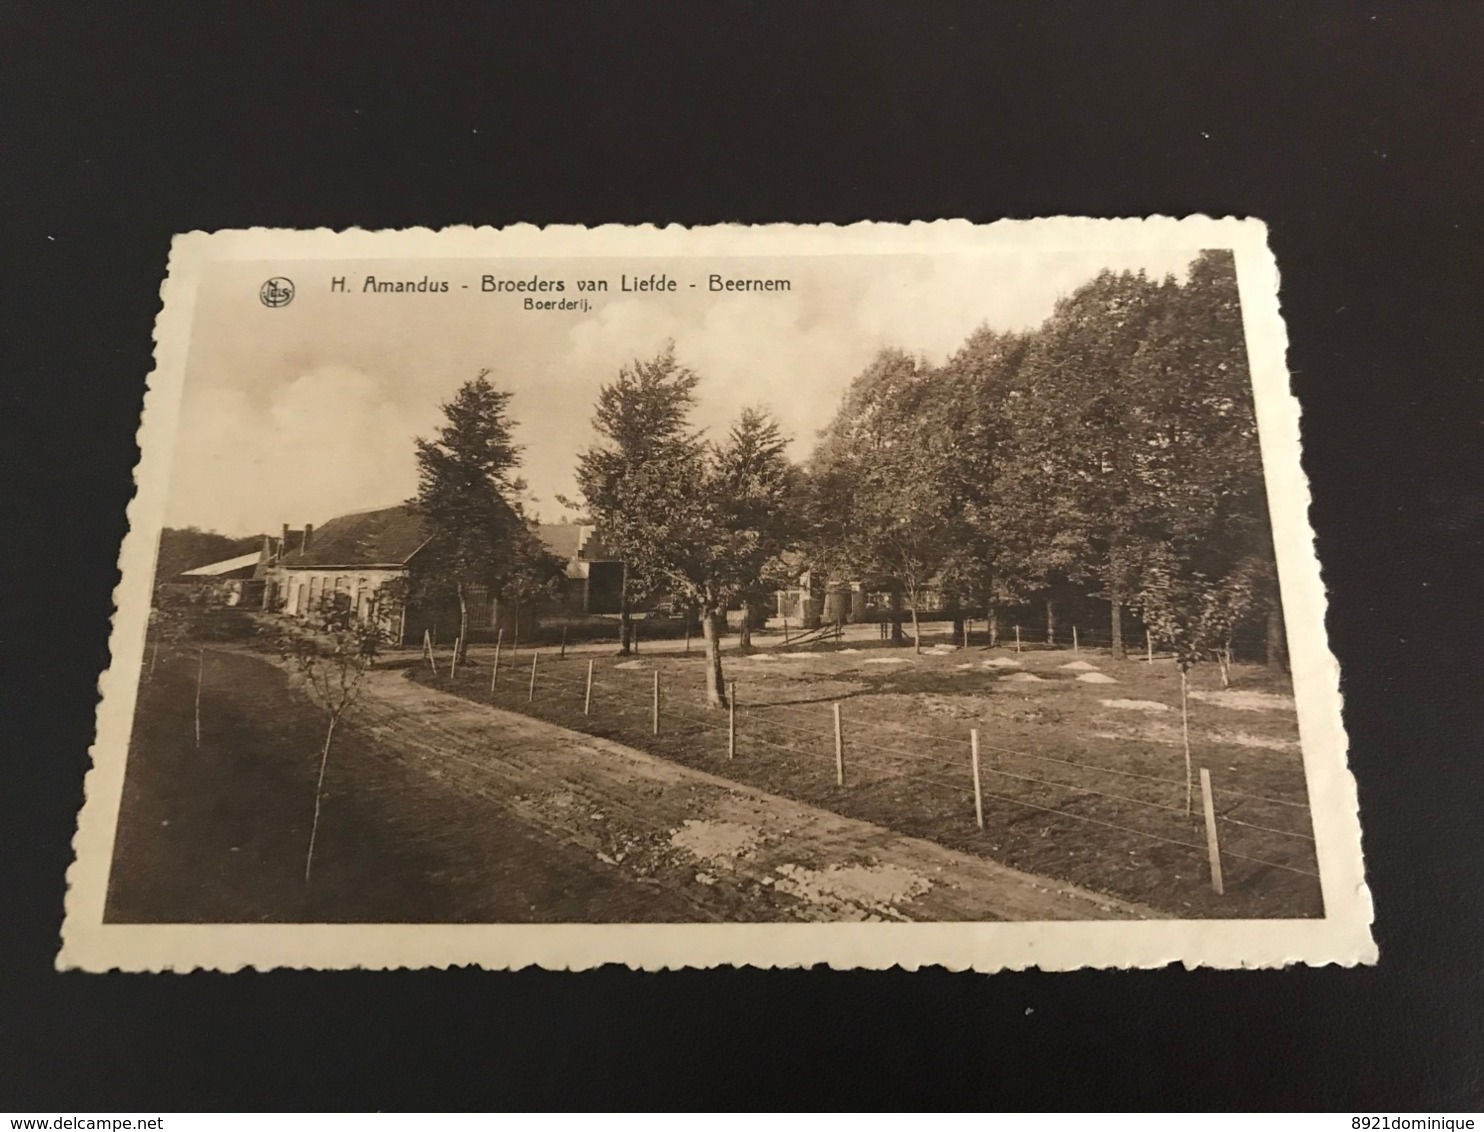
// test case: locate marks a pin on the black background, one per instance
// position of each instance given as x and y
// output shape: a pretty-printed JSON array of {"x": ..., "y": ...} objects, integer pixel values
[{"x": 1353, "y": 130}]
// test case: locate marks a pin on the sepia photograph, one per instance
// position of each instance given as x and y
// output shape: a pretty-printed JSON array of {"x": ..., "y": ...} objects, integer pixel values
[{"x": 941, "y": 576}]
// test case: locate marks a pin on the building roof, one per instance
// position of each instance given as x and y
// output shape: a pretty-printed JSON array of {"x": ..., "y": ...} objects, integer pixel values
[
  {"x": 574, "y": 541},
  {"x": 224, "y": 567},
  {"x": 562, "y": 539},
  {"x": 388, "y": 536}
]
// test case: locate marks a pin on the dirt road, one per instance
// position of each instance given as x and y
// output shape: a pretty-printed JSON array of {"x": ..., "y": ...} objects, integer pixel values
[{"x": 708, "y": 848}]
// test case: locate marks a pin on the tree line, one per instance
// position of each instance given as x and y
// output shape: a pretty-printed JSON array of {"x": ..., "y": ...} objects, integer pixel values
[{"x": 1110, "y": 452}]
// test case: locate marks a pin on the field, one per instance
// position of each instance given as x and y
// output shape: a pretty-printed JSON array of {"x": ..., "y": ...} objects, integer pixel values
[{"x": 1082, "y": 763}]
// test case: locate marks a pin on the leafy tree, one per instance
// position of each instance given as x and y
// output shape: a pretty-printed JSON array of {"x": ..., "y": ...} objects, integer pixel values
[
  {"x": 468, "y": 494},
  {"x": 1074, "y": 490},
  {"x": 970, "y": 409},
  {"x": 757, "y": 487},
  {"x": 644, "y": 435},
  {"x": 885, "y": 503}
]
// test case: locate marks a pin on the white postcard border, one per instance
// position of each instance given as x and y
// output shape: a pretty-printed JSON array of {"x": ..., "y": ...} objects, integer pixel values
[{"x": 1343, "y": 936}]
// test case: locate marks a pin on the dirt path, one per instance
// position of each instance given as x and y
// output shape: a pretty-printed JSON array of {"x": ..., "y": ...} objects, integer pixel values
[{"x": 724, "y": 850}]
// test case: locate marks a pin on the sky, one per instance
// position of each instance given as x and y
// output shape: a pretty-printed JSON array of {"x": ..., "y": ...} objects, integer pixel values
[{"x": 303, "y": 412}]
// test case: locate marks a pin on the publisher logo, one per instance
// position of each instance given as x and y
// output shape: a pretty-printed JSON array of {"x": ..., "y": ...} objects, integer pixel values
[{"x": 277, "y": 292}]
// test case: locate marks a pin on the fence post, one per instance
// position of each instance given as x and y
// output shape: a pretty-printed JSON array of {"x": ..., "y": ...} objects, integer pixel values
[
  {"x": 428, "y": 650},
  {"x": 1075, "y": 648},
  {"x": 1149, "y": 646},
  {"x": 839, "y": 748},
  {"x": 655, "y": 709},
  {"x": 453, "y": 665},
  {"x": 495, "y": 670},
  {"x": 587, "y": 699},
  {"x": 564, "y": 643},
  {"x": 978, "y": 790},
  {"x": 785, "y": 629},
  {"x": 531, "y": 692},
  {"x": 1017, "y": 638},
  {"x": 732, "y": 719},
  {"x": 1212, "y": 848}
]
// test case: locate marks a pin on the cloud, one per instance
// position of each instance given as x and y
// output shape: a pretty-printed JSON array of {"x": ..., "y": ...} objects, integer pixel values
[{"x": 328, "y": 441}]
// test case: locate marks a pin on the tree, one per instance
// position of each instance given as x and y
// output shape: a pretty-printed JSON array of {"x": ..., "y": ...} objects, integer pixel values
[
  {"x": 969, "y": 407},
  {"x": 884, "y": 500},
  {"x": 700, "y": 521},
  {"x": 1195, "y": 615},
  {"x": 331, "y": 669},
  {"x": 642, "y": 424},
  {"x": 756, "y": 488},
  {"x": 1073, "y": 486},
  {"x": 468, "y": 495}
]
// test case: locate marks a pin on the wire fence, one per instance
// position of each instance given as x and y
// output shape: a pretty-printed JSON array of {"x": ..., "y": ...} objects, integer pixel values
[
  {"x": 970, "y": 632},
  {"x": 831, "y": 749}
]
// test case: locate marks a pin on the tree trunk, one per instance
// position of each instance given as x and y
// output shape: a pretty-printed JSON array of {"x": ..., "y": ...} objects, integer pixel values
[
  {"x": 916, "y": 627},
  {"x": 895, "y": 611},
  {"x": 1277, "y": 654},
  {"x": 744, "y": 631},
  {"x": 992, "y": 615},
  {"x": 716, "y": 693},
  {"x": 957, "y": 614},
  {"x": 1115, "y": 600},
  {"x": 1050, "y": 619},
  {"x": 625, "y": 630},
  {"x": 319, "y": 793}
]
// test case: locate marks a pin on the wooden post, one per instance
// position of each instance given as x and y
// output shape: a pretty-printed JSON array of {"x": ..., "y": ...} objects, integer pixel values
[
  {"x": 564, "y": 643},
  {"x": 1075, "y": 647},
  {"x": 587, "y": 699},
  {"x": 453, "y": 665},
  {"x": 785, "y": 629},
  {"x": 531, "y": 692},
  {"x": 1185, "y": 731},
  {"x": 732, "y": 719},
  {"x": 495, "y": 671},
  {"x": 687, "y": 636},
  {"x": 1017, "y": 638},
  {"x": 200, "y": 669},
  {"x": 839, "y": 748},
  {"x": 634, "y": 635},
  {"x": 1212, "y": 847},
  {"x": 428, "y": 650},
  {"x": 1149, "y": 646},
  {"x": 654, "y": 712},
  {"x": 978, "y": 790}
]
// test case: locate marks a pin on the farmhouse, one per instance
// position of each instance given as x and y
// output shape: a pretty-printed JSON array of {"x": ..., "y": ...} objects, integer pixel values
[{"x": 350, "y": 559}]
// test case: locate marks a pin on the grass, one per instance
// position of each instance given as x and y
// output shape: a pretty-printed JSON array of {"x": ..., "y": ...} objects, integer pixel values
[{"x": 1074, "y": 788}]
